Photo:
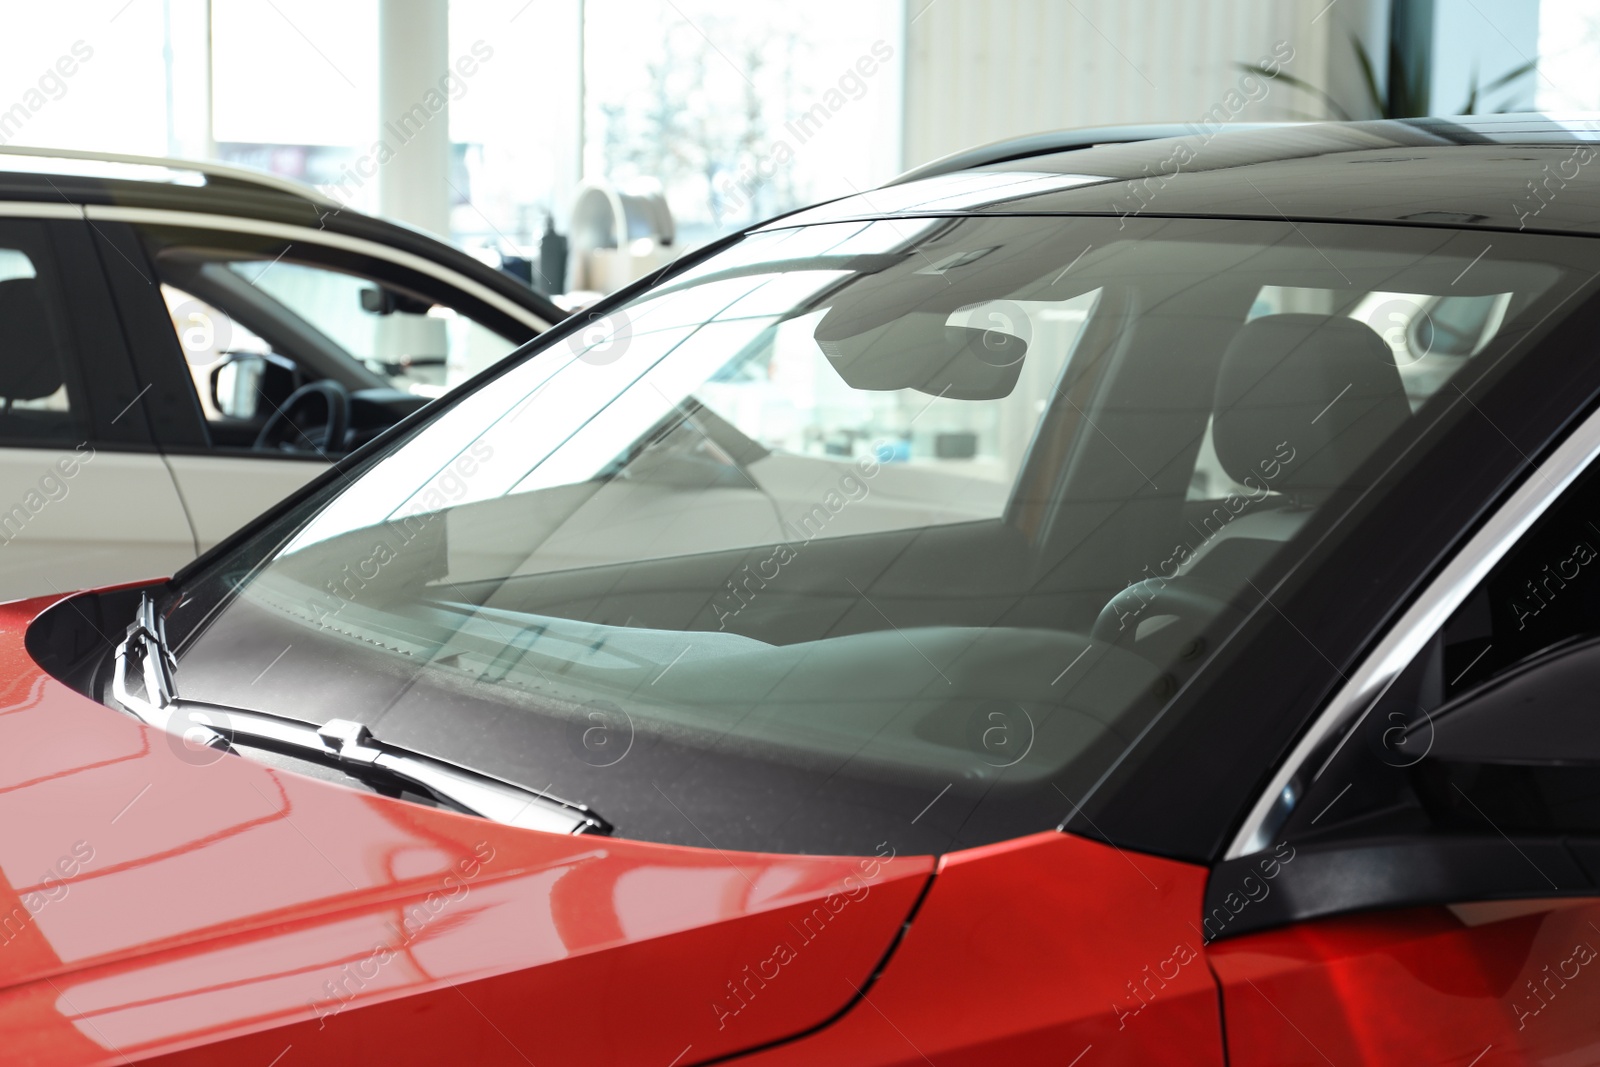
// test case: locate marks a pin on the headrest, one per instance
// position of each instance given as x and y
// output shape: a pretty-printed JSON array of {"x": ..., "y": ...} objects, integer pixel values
[
  {"x": 30, "y": 358},
  {"x": 1302, "y": 399}
]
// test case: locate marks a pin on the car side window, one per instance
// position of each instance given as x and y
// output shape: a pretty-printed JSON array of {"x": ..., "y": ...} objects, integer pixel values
[
  {"x": 1546, "y": 590},
  {"x": 414, "y": 344},
  {"x": 330, "y": 322},
  {"x": 41, "y": 397}
]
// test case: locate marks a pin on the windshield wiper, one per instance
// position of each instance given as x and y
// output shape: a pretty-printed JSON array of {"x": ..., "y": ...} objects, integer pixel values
[{"x": 341, "y": 743}]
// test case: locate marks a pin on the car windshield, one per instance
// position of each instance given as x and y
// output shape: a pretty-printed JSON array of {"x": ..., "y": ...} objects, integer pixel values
[{"x": 857, "y": 526}]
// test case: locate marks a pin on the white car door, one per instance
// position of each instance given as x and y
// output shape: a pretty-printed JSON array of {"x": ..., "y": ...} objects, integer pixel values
[
  {"x": 76, "y": 516},
  {"x": 85, "y": 498},
  {"x": 222, "y": 492}
]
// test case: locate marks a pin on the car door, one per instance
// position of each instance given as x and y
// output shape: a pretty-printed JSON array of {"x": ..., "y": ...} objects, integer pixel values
[
  {"x": 235, "y": 306},
  {"x": 85, "y": 499},
  {"x": 1435, "y": 895}
]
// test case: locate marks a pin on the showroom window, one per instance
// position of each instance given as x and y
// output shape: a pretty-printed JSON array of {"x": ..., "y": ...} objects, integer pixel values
[{"x": 742, "y": 112}]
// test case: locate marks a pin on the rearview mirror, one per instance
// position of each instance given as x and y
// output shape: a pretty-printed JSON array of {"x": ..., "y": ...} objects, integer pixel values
[
  {"x": 377, "y": 300},
  {"x": 1451, "y": 326},
  {"x": 921, "y": 352}
]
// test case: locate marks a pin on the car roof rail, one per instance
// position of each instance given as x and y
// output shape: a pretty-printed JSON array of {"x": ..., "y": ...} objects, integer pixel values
[
  {"x": 1053, "y": 141},
  {"x": 223, "y": 172}
]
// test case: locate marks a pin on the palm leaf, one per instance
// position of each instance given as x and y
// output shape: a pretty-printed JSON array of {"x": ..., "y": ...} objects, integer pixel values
[
  {"x": 1407, "y": 94},
  {"x": 1380, "y": 103},
  {"x": 1470, "y": 108},
  {"x": 1512, "y": 75},
  {"x": 1296, "y": 83}
]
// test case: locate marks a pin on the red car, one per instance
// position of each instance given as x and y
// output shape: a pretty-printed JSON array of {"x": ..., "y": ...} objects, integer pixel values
[{"x": 1103, "y": 599}]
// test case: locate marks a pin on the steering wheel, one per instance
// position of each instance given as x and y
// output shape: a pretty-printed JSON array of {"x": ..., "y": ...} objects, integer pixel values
[
  {"x": 1165, "y": 620},
  {"x": 287, "y": 430}
]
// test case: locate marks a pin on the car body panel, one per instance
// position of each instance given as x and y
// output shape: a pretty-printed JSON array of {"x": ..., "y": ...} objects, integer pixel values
[
  {"x": 209, "y": 485},
  {"x": 160, "y": 897},
  {"x": 1039, "y": 950},
  {"x": 1423, "y": 985},
  {"x": 70, "y": 515}
]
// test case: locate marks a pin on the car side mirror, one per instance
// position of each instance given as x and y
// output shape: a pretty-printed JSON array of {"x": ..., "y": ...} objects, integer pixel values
[
  {"x": 1542, "y": 713},
  {"x": 248, "y": 385}
]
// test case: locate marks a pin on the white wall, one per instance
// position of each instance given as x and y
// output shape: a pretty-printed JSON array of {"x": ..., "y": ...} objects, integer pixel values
[
  {"x": 1569, "y": 56},
  {"x": 982, "y": 70}
]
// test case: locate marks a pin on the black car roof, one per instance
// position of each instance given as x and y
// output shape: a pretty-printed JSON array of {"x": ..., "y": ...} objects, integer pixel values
[
  {"x": 81, "y": 178},
  {"x": 1535, "y": 172}
]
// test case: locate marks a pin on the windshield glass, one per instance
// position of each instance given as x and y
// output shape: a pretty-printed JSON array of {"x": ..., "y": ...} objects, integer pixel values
[{"x": 859, "y": 523}]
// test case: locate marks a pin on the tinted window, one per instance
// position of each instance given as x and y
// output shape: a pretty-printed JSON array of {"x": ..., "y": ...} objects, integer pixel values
[
  {"x": 856, "y": 523},
  {"x": 40, "y": 396},
  {"x": 1545, "y": 591}
]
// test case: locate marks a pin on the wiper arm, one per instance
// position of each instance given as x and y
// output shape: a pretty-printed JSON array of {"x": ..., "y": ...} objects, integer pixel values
[{"x": 341, "y": 743}]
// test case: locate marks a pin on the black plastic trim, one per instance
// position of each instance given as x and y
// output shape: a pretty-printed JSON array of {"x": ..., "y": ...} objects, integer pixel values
[
  {"x": 167, "y": 397},
  {"x": 1385, "y": 873}
]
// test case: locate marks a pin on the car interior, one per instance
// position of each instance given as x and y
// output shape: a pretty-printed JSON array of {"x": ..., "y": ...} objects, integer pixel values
[{"x": 295, "y": 390}]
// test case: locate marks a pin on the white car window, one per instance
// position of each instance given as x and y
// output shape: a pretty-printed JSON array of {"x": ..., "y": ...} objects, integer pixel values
[{"x": 423, "y": 350}]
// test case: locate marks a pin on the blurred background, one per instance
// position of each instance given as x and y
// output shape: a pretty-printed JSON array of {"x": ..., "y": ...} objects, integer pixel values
[{"x": 635, "y": 129}]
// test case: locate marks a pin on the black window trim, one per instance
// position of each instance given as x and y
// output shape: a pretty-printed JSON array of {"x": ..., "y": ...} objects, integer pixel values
[{"x": 101, "y": 381}]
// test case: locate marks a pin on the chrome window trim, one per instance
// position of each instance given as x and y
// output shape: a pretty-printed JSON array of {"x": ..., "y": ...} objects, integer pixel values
[
  {"x": 233, "y": 224},
  {"x": 1373, "y": 676},
  {"x": 27, "y": 209}
]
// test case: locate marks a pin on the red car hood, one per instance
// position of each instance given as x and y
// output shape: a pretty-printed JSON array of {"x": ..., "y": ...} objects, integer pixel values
[{"x": 149, "y": 906}]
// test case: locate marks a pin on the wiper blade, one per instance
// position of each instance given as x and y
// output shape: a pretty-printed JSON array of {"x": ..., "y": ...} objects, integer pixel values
[{"x": 341, "y": 743}]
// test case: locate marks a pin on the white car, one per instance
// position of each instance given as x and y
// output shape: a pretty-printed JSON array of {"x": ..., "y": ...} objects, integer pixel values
[{"x": 182, "y": 345}]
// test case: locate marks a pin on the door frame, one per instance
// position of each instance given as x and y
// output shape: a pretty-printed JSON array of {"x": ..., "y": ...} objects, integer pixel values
[{"x": 180, "y": 427}]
